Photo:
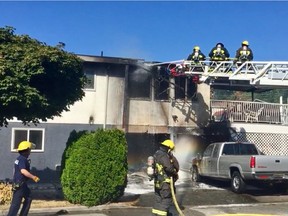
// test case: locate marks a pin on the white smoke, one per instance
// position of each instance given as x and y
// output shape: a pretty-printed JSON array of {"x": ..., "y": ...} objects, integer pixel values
[
  {"x": 140, "y": 75},
  {"x": 185, "y": 150}
]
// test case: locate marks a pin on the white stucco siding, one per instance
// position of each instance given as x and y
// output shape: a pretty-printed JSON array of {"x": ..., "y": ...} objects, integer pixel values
[
  {"x": 92, "y": 105},
  {"x": 115, "y": 101},
  {"x": 147, "y": 113}
]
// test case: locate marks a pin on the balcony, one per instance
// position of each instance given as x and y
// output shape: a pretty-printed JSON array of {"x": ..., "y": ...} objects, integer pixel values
[{"x": 250, "y": 112}]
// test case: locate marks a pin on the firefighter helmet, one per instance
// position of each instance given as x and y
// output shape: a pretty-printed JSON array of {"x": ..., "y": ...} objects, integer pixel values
[
  {"x": 221, "y": 45},
  {"x": 169, "y": 143},
  {"x": 245, "y": 43},
  {"x": 196, "y": 48},
  {"x": 24, "y": 145}
]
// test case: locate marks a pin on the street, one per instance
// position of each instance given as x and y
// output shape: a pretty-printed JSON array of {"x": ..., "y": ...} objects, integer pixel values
[{"x": 211, "y": 198}]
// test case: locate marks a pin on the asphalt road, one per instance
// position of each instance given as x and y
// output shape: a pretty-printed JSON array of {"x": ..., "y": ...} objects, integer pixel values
[{"x": 212, "y": 198}]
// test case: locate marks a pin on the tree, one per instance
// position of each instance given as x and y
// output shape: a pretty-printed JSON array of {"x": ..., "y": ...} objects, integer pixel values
[{"x": 37, "y": 81}]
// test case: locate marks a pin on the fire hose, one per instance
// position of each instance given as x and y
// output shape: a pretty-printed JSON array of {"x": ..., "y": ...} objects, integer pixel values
[{"x": 174, "y": 197}]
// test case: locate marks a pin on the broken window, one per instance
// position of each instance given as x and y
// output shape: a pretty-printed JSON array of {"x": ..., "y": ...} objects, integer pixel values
[
  {"x": 185, "y": 88},
  {"x": 139, "y": 83},
  {"x": 161, "y": 85}
]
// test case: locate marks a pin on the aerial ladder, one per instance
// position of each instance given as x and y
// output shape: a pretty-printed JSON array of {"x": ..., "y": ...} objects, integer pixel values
[{"x": 259, "y": 74}]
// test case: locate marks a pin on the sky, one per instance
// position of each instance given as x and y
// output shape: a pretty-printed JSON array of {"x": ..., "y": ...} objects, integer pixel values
[{"x": 153, "y": 30}]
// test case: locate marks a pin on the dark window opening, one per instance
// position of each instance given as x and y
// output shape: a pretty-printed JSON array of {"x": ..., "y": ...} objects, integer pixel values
[
  {"x": 185, "y": 88},
  {"x": 161, "y": 85},
  {"x": 139, "y": 83}
]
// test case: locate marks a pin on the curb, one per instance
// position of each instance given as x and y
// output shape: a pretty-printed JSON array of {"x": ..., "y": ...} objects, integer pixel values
[{"x": 72, "y": 209}]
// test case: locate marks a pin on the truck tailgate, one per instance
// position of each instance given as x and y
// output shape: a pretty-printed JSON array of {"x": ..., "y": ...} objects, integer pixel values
[{"x": 271, "y": 164}]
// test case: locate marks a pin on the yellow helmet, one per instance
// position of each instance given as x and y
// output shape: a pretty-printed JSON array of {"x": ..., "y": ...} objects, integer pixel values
[
  {"x": 196, "y": 48},
  {"x": 169, "y": 143},
  {"x": 24, "y": 145},
  {"x": 245, "y": 43}
]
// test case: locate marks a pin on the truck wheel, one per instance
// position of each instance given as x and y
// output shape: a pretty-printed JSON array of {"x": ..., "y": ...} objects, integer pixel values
[
  {"x": 195, "y": 175},
  {"x": 237, "y": 183}
]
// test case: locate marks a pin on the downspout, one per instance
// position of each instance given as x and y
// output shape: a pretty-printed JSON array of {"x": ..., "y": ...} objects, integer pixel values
[
  {"x": 106, "y": 100},
  {"x": 125, "y": 114},
  {"x": 171, "y": 108}
]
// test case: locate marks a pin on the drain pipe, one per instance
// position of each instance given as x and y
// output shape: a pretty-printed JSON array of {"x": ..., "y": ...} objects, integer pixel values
[
  {"x": 106, "y": 100},
  {"x": 125, "y": 114}
]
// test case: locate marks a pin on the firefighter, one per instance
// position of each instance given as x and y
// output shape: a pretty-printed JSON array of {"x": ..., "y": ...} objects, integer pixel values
[
  {"x": 244, "y": 53},
  {"x": 196, "y": 55},
  {"x": 20, "y": 177},
  {"x": 166, "y": 166},
  {"x": 219, "y": 53}
]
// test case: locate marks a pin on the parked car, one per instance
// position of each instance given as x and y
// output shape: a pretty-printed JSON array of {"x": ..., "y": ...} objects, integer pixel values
[{"x": 241, "y": 163}]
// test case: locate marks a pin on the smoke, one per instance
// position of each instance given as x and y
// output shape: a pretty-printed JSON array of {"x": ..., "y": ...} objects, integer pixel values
[
  {"x": 185, "y": 150},
  {"x": 139, "y": 75}
]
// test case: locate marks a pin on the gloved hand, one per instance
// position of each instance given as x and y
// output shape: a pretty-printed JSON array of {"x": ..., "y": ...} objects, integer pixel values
[{"x": 36, "y": 179}]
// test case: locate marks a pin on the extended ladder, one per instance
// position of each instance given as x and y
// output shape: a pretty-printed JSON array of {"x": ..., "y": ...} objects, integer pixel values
[{"x": 259, "y": 73}]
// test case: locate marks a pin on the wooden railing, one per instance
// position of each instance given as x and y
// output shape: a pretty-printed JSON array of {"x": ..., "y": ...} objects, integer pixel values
[{"x": 244, "y": 111}]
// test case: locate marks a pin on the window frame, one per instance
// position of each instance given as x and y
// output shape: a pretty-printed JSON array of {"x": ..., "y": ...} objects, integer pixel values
[
  {"x": 89, "y": 72},
  {"x": 209, "y": 151},
  {"x": 28, "y": 133},
  {"x": 147, "y": 85},
  {"x": 183, "y": 88}
]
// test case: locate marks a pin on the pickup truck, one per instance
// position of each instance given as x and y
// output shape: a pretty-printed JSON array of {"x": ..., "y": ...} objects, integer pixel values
[{"x": 240, "y": 163}]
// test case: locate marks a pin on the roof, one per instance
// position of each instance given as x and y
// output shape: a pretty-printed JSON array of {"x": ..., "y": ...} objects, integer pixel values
[{"x": 112, "y": 60}]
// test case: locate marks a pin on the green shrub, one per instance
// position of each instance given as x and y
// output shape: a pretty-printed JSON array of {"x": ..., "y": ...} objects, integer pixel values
[
  {"x": 96, "y": 168},
  {"x": 74, "y": 136}
]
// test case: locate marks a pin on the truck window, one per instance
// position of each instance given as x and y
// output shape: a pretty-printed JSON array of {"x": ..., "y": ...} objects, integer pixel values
[
  {"x": 248, "y": 149},
  {"x": 208, "y": 151},
  {"x": 229, "y": 149},
  {"x": 216, "y": 151}
]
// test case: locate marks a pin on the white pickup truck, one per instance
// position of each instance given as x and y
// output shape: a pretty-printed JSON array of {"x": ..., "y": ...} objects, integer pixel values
[{"x": 241, "y": 163}]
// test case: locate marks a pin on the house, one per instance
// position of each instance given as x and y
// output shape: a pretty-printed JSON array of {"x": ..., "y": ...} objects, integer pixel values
[{"x": 123, "y": 93}]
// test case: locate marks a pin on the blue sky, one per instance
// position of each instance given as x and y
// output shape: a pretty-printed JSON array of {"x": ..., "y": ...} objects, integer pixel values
[{"x": 153, "y": 30}]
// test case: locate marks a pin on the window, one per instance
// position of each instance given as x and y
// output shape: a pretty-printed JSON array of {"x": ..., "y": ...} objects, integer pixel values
[
  {"x": 231, "y": 149},
  {"x": 185, "y": 88},
  {"x": 139, "y": 83},
  {"x": 161, "y": 85},
  {"x": 216, "y": 151},
  {"x": 90, "y": 78},
  {"x": 248, "y": 149},
  {"x": 34, "y": 135},
  {"x": 208, "y": 151}
]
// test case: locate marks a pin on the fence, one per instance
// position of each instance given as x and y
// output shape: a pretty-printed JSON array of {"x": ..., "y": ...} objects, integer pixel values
[{"x": 244, "y": 111}]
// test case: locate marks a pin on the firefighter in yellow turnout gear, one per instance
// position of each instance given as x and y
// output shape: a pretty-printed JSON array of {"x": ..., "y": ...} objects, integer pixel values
[
  {"x": 219, "y": 53},
  {"x": 166, "y": 166},
  {"x": 244, "y": 53}
]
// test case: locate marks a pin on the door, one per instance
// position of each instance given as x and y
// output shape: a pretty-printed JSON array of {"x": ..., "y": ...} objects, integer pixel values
[
  {"x": 213, "y": 169},
  {"x": 205, "y": 165}
]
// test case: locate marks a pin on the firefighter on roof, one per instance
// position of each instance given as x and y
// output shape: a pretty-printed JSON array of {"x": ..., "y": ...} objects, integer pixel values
[
  {"x": 219, "y": 53},
  {"x": 166, "y": 166},
  {"x": 244, "y": 53},
  {"x": 196, "y": 55}
]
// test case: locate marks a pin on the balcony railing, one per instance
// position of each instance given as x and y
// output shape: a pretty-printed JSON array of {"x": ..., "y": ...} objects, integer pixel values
[{"x": 244, "y": 111}]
